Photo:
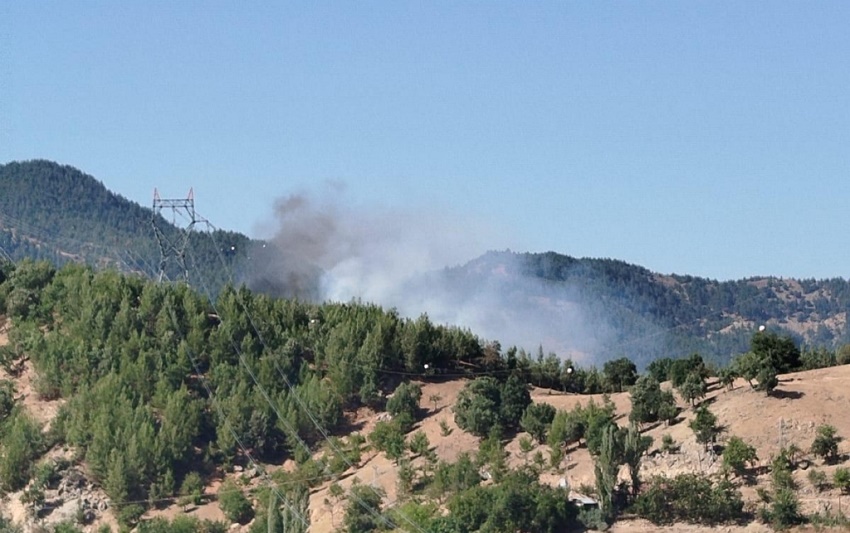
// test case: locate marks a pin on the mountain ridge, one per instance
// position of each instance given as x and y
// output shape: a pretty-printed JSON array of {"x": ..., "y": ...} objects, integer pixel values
[{"x": 59, "y": 213}]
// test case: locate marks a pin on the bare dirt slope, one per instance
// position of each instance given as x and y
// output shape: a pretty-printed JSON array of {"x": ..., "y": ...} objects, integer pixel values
[{"x": 802, "y": 401}]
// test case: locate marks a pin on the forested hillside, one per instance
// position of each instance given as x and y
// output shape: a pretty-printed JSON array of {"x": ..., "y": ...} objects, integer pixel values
[
  {"x": 160, "y": 385},
  {"x": 54, "y": 212},
  {"x": 162, "y": 392},
  {"x": 592, "y": 310},
  {"x": 642, "y": 315}
]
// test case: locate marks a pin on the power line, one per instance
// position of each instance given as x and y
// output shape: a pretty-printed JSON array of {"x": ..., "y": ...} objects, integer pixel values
[
  {"x": 222, "y": 414},
  {"x": 173, "y": 247},
  {"x": 297, "y": 398},
  {"x": 177, "y": 207}
]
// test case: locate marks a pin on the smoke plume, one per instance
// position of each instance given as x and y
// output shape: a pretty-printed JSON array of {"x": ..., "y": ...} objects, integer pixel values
[{"x": 420, "y": 261}]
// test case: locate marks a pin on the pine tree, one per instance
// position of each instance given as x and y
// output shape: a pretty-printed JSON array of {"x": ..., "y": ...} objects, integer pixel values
[
  {"x": 606, "y": 468},
  {"x": 705, "y": 427},
  {"x": 634, "y": 446}
]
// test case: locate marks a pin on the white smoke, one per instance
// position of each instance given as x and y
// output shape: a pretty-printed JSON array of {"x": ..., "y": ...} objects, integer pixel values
[{"x": 330, "y": 250}]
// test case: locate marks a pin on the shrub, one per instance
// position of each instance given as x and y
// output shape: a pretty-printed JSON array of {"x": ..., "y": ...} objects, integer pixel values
[
  {"x": 22, "y": 443},
  {"x": 704, "y": 426},
  {"x": 841, "y": 479},
  {"x": 537, "y": 419},
  {"x": 388, "y": 437},
  {"x": 689, "y": 498},
  {"x": 818, "y": 480},
  {"x": 737, "y": 455},
  {"x": 668, "y": 444},
  {"x": 234, "y": 504},
  {"x": 192, "y": 489},
  {"x": 784, "y": 510},
  {"x": 826, "y": 442},
  {"x": 419, "y": 444},
  {"x": 405, "y": 399}
]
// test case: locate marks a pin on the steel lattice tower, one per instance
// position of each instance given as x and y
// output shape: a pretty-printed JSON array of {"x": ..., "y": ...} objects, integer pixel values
[{"x": 173, "y": 247}]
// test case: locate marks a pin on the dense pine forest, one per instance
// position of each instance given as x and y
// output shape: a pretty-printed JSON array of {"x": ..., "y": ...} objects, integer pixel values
[{"x": 163, "y": 385}]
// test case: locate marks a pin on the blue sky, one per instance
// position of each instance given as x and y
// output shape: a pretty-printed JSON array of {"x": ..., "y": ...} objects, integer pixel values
[{"x": 705, "y": 138}]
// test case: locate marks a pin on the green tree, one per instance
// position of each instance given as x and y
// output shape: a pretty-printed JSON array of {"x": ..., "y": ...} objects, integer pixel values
[
  {"x": 767, "y": 378},
  {"x": 492, "y": 454},
  {"x": 295, "y": 517},
  {"x": 22, "y": 443},
  {"x": 659, "y": 369},
  {"x": 180, "y": 425},
  {"x": 784, "y": 510},
  {"x": 738, "y": 454},
  {"x": 842, "y": 356},
  {"x": 419, "y": 444},
  {"x": 826, "y": 442},
  {"x": 192, "y": 489},
  {"x": 620, "y": 373},
  {"x": 598, "y": 422},
  {"x": 691, "y": 498},
  {"x": 567, "y": 427},
  {"x": 668, "y": 411},
  {"x": 818, "y": 480},
  {"x": 388, "y": 437},
  {"x": 477, "y": 409},
  {"x": 526, "y": 445},
  {"x": 634, "y": 447},
  {"x": 405, "y": 399},
  {"x": 514, "y": 399},
  {"x": 7, "y": 397},
  {"x": 233, "y": 503},
  {"x": 769, "y": 356},
  {"x": 115, "y": 484},
  {"x": 435, "y": 399},
  {"x": 693, "y": 388},
  {"x": 406, "y": 475},
  {"x": 363, "y": 513},
  {"x": 704, "y": 426},
  {"x": 649, "y": 402},
  {"x": 727, "y": 377},
  {"x": 668, "y": 444},
  {"x": 680, "y": 369},
  {"x": 606, "y": 467},
  {"x": 747, "y": 366},
  {"x": 780, "y": 471},
  {"x": 518, "y": 503},
  {"x": 781, "y": 351},
  {"x": 537, "y": 419},
  {"x": 841, "y": 479}
]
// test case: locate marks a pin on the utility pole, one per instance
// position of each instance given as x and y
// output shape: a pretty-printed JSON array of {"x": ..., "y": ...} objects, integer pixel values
[{"x": 173, "y": 246}]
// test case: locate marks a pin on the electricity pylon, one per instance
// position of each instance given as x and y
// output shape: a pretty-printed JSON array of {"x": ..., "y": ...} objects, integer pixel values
[{"x": 173, "y": 246}]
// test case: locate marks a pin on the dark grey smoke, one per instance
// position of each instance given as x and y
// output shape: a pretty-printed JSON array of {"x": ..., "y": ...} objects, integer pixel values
[{"x": 326, "y": 249}]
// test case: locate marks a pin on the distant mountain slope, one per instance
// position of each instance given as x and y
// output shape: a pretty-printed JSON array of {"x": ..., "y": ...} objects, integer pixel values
[
  {"x": 66, "y": 204},
  {"x": 627, "y": 310}
]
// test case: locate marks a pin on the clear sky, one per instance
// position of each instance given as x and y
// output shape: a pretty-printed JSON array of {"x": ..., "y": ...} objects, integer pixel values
[{"x": 706, "y": 138}]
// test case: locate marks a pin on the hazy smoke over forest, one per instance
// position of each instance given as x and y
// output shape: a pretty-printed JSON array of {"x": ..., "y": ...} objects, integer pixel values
[{"x": 326, "y": 249}]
